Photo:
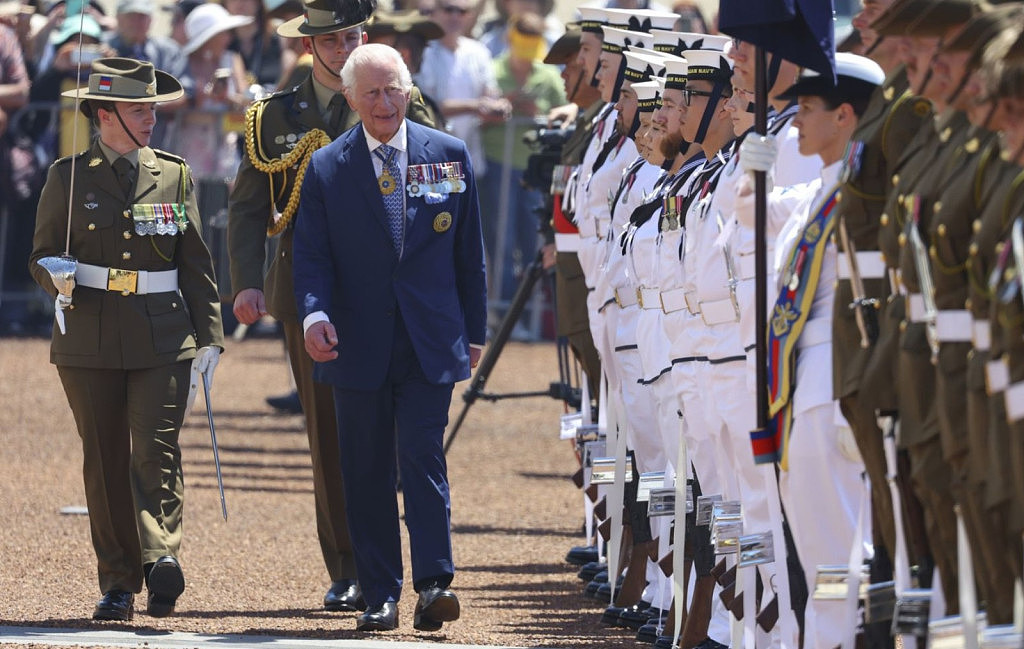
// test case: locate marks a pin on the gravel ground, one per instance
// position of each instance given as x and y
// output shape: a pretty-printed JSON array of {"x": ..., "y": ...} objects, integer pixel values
[{"x": 515, "y": 512}]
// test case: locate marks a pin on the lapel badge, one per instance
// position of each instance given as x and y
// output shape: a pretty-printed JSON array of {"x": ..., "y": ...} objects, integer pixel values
[
  {"x": 442, "y": 222},
  {"x": 149, "y": 164},
  {"x": 90, "y": 206},
  {"x": 95, "y": 162}
]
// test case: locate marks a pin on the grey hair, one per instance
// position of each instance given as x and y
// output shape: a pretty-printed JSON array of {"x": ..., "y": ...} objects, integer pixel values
[{"x": 376, "y": 55}]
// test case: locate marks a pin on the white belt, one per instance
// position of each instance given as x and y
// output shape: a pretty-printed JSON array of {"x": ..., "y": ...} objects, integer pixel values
[
  {"x": 915, "y": 307},
  {"x": 567, "y": 242},
  {"x": 997, "y": 376},
  {"x": 1015, "y": 402},
  {"x": 601, "y": 227},
  {"x": 625, "y": 296},
  {"x": 126, "y": 282},
  {"x": 649, "y": 298},
  {"x": 953, "y": 325},
  {"x": 870, "y": 264},
  {"x": 718, "y": 312},
  {"x": 746, "y": 267},
  {"x": 692, "y": 305},
  {"x": 981, "y": 335},
  {"x": 674, "y": 300},
  {"x": 587, "y": 228}
]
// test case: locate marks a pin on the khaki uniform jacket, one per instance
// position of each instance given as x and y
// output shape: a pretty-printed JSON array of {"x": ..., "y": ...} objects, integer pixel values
[
  {"x": 106, "y": 329},
  {"x": 287, "y": 117},
  {"x": 890, "y": 121}
]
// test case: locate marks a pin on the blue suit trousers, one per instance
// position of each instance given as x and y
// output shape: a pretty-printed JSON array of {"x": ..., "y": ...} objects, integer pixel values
[{"x": 397, "y": 428}]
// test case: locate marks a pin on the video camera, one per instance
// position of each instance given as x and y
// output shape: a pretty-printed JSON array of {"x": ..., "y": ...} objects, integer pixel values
[{"x": 547, "y": 144}]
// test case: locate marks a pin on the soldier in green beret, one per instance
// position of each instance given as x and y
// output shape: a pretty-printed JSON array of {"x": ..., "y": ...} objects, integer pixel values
[
  {"x": 118, "y": 243},
  {"x": 281, "y": 133}
]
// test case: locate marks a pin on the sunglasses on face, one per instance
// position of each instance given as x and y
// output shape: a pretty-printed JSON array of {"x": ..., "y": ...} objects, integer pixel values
[{"x": 688, "y": 93}]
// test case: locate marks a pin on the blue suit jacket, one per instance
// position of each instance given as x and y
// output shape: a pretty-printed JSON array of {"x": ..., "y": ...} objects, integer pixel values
[{"x": 345, "y": 263}]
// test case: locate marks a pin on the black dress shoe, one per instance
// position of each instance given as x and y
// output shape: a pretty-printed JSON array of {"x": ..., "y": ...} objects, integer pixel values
[
  {"x": 649, "y": 632},
  {"x": 637, "y": 615},
  {"x": 286, "y": 403},
  {"x": 664, "y": 642},
  {"x": 116, "y": 605},
  {"x": 588, "y": 570},
  {"x": 708, "y": 643},
  {"x": 611, "y": 615},
  {"x": 435, "y": 607},
  {"x": 379, "y": 618},
  {"x": 344, "y": 595},
  {"x": 604, "y": 591},
  {"x": 582, "y": 554},
  {"x": 166, "y": 582}
]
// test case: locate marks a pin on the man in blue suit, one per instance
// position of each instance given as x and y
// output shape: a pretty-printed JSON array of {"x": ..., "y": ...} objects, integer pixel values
[{"x": 389, "y": 280}]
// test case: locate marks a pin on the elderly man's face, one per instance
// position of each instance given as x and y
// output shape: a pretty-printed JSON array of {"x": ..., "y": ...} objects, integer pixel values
[{"x": 379, "y": 98}]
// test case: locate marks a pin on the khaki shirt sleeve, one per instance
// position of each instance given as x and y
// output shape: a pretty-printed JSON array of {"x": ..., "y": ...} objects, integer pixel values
[
  {"x": 196, "y": 278},
  {"x": 51, "y": 225}
]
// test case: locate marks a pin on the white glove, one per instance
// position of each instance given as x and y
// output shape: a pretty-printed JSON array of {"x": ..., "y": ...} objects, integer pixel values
[
  {"x": 204, "y": 363},
  {"x": 757, "y": 153}
]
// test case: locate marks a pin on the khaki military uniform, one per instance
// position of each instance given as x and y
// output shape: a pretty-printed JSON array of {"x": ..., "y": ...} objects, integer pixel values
[
  {"x": 973, "y": 182},
  {"x": 921, "y": 179},
  {"x": 275, "y": 128},
  {"x": 986, "y": 380},
  {"x": 1008, "y": 316},
  {"x": 888, "y": 124},
  {"x": 124, "y": 360}
]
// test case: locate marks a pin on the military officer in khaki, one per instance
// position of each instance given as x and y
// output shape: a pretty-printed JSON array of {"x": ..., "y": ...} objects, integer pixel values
[
  {"x": 975, "y": 175},
  {"x": 140, "y": 312},
  {"x": 922, "y": 172},
  {"x": 282, "y": 132},
  {"x": 889, "y": 122}
]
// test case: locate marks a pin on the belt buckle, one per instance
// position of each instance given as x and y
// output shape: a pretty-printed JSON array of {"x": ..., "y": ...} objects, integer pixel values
[
  {"x": 640, "y": 297},
  {"x": 125, "y": 282}
]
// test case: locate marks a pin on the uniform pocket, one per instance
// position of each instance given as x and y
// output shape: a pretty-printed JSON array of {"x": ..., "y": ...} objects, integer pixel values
[
  {"x": 169, "y": 323},
  {"x": 82, "y": 322}
]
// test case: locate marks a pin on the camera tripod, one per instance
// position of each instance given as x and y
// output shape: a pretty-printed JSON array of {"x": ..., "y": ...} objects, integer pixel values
[{"x": 563, "y": 390}]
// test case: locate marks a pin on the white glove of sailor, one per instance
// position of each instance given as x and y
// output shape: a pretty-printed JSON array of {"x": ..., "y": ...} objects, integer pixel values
[
  {"x": 204, "y": 363},
  {"x": 757, "y": 153}
]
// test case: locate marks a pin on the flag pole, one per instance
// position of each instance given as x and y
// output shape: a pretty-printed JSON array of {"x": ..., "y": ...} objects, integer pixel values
[{"x": 761, "y": 245}]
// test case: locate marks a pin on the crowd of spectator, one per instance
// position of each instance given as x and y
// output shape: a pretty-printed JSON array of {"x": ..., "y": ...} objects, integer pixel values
[{"x": 484, "y": 76}]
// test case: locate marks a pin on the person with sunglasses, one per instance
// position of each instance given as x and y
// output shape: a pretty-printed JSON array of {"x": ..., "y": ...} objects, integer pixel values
[{"x": 457, "y": 72}]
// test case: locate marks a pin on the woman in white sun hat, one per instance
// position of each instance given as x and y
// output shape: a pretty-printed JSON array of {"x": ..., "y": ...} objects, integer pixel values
[{"x": 215, "y": 83}]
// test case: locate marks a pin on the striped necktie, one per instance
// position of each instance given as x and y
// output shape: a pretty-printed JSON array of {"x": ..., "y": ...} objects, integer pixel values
[{"x": 390, "y": 183}]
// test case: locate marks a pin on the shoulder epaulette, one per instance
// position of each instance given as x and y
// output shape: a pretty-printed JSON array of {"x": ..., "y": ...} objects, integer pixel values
[
  {"x": 278, "y": 94},
  {"x": 177, "y": 159},
  {"x": 68, "y": 158}
]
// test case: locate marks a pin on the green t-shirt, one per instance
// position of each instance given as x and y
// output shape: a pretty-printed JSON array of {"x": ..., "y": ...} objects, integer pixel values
[{"x": 543, "y": 88}]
